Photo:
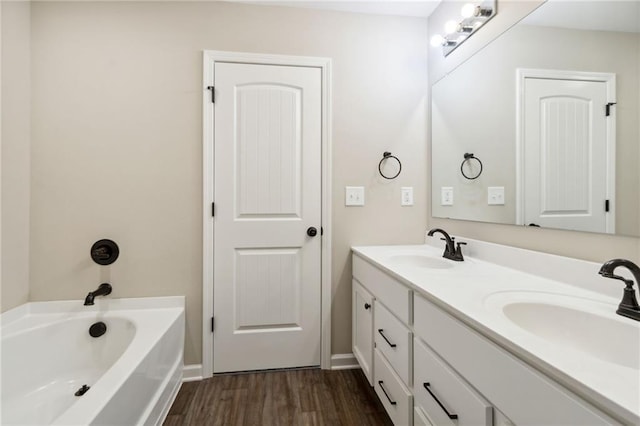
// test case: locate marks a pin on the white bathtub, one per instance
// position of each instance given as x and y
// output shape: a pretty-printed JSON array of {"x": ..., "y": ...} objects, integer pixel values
[{"x": 134, "y": 370}]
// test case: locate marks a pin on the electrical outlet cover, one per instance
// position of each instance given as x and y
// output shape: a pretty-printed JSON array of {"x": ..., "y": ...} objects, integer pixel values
[
  {"x": 406, "y": 196},
  {"x": 446, "y": 196},
  {"x": 354, "y": 196},
  {"x": 495, "y": 195}
]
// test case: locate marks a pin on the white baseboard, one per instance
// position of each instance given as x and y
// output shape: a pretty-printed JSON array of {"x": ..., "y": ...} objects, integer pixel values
[
  {"x": 192, "y": 373},
  {"x": 343, "y": 362}
]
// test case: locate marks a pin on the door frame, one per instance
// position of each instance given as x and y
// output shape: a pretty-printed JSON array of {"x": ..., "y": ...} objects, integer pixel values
[
  {"x": 209, "y": 59},
  {"x": 610, "y": 81}
]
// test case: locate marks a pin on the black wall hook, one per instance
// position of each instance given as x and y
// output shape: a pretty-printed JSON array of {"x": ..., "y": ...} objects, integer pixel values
[{"x": 104, "y": 252}]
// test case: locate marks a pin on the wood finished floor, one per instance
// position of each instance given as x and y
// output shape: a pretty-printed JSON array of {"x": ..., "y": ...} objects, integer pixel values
[{"x": 290, "y": 397}]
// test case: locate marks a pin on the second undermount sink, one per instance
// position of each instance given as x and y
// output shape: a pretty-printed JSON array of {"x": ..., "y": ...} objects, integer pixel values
[
  {"x": 420, "y": 260},
  {"x": 575, "y": 323}
]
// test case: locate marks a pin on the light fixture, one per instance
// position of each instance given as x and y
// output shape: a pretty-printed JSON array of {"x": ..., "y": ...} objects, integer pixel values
[
  {"x": 437, "y": 40},
  {"x": 468, "y": 10},
  {"x": 450, "y": 27},
  {"x": 483, "y": 11},
  {"x": 474, "y": 16}
]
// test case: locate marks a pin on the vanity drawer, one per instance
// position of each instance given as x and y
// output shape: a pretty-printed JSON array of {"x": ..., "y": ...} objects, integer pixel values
[
  {"x": 435, "y": 384},
  {"x": 395, "y": 295},
  {"x": 419, "y": 418},
  {"x": 523, "y": 394},
  {"x": 395, "y": 397},
  {"x": 394, "y": 340}
]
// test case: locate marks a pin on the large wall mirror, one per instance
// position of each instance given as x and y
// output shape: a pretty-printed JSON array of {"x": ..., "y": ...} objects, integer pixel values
[{"x": 550, "y": 111}]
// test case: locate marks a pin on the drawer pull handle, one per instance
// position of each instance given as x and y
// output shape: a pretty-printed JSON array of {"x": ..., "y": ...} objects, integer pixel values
[
  {"x": 451, "y": 416},
  {"x": 386, "y": 394},
  {"x": 380, "y": 330},
  {"x": 367, "y": 306}
]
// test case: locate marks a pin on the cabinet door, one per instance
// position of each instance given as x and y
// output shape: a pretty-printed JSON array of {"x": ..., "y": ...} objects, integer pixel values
[{"x": 362, "y": 332}]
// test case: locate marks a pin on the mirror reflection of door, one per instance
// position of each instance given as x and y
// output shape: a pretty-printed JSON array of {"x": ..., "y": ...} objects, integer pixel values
[{"x": 565, "y": 170}]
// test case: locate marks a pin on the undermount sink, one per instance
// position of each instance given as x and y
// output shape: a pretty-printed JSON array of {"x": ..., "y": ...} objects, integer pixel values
[
  {"x": 420, "y": 260},
  {"x": 580, "y": 324}
]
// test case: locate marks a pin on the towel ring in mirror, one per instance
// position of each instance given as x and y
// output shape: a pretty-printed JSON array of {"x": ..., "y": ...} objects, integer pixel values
[
  {"x": 386, "y": 156},
  {"x": 468, "y": 157}
]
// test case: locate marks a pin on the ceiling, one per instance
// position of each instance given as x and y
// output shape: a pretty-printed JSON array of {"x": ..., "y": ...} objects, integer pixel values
[{"x": 416, "y": 8}]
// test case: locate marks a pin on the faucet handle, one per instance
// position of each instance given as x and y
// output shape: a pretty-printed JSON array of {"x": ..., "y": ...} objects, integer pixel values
[
  {"x": 453, "y": 239},
  {"x": 458, "y": 253},
  {"x": 628, "y": 282}
]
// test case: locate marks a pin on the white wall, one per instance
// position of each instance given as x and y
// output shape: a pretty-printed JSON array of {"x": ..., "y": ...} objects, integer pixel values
[
  {"x": 594, "y": 247},
  {"x": 116, "y": 138},
  {"x": 15, "y": 176}
]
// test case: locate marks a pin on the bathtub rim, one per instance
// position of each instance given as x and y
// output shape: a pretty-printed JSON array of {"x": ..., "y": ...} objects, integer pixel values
[
  {"x": 102, "y": 304},
  {"x": 19, "y": 320}
]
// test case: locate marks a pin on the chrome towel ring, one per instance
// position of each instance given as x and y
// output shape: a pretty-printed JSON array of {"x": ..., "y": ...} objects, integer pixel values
[
  {"x": 385, "y": 156},
  {"x": 468, "y": 157}
]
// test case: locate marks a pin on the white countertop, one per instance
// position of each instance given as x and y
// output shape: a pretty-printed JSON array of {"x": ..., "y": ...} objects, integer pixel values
[{"x": 474, "y": 292}]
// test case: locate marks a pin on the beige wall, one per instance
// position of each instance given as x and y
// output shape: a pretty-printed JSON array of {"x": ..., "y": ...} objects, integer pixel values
[
  {"x": 16, "y": 102},
  {"x": 116, "y": 140},
  {"x": 594, "y": 247}
]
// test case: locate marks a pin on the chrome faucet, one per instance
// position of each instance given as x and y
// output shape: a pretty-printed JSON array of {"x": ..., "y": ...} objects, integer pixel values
[
  {"x": 103, "y": 290},
  {"x": 451, "y": 251},
  {"x": 629, "y": 306}
]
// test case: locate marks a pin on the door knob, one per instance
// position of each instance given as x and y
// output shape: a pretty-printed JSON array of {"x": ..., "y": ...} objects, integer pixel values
[{"x": 312, "y": 232}]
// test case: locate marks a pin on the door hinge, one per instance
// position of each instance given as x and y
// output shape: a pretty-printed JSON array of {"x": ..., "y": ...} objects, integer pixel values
[
  {"x": 606, "y": 205},
  {"x": 213, "y": 209},
  {"x": 607, "y": 108},
  {"x": 213, "y": 94},
  {"x": 212, "y": 324}
]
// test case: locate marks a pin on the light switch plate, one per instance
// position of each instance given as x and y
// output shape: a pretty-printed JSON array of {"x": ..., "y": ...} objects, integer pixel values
[
  {"x": 354, "y": 195},
  {"x": 406, "y": 196},
  {"x": 446, "y": 198},
  {"x": 495, "y": 195}
]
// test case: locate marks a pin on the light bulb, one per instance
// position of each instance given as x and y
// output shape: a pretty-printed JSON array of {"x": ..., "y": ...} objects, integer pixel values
[
  {"x": 437, "y": 40},
  {"x": 468, "y": 10},
  {"x": 450, "y": 27}
]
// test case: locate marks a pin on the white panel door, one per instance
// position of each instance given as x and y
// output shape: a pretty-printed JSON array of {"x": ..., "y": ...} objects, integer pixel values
[
  {"x": 565, "y": 152},
  {"x": 267, "y": 194}
]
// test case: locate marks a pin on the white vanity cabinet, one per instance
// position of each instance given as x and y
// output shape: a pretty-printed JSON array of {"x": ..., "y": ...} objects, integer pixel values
[
  {"x": 362, "y": 328},
  {"x": 428, "y": 367},
  {"x": 390, "y": 337},
  {"x": 524, "y": 395}
]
